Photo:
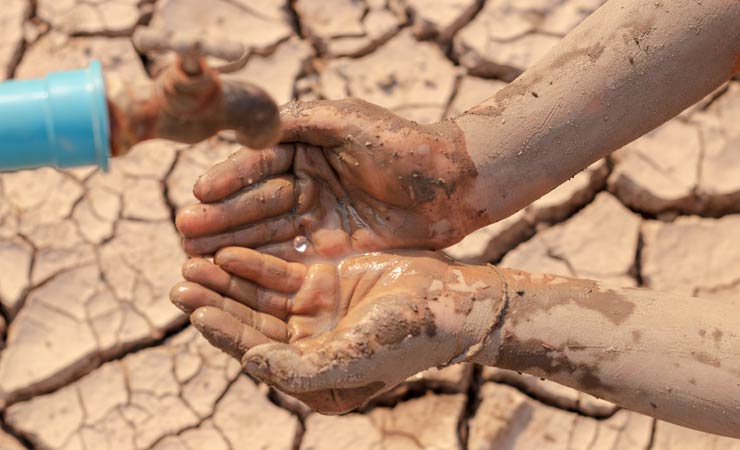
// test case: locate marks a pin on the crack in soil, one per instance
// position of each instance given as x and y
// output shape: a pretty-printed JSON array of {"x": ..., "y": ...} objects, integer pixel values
[
  {"x": 166, "y": 189},
  {"x": 87, "y": 365},
  {"x": 636, "y": 270},
  {"x": 23, "y": 45},
  {"x": 272, "y": 396},
  {"x": 552, "y": 404},
  {"x": 471, "y": 406},
  {"x": 539, "y": 225},
  {"x": 202, "y": 419},
  {"x": 653, "y": 430},
  {"x": 146, "y": 12},
  {"x": 16, "y": 435},
  {"x": 295, "y": 20}
]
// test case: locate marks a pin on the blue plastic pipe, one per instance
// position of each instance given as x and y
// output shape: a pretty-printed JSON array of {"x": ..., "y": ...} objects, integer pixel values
[{"x": 61, "y": 120}]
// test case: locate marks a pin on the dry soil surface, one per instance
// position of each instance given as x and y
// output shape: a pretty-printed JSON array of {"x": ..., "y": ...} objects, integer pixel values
[{"x": 93, "y": 355}]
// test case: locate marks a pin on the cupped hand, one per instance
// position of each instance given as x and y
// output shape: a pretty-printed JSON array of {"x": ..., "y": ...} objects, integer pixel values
[
  {"x": 357, "y": 178},
  {"x": 333, "y": 336}
]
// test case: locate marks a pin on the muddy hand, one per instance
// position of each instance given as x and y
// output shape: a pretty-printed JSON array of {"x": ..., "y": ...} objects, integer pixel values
[
  {"x": 367, "y": 180},
  {"x": 346, "y": 334}
]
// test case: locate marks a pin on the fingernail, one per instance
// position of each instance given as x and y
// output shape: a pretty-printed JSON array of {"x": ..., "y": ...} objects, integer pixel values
[
  {"x": 198, "y": 319},
  {"x": 176, "y": 296},
  {"x": 223, "y": 257},
  {"x": 188, "y": 268}
]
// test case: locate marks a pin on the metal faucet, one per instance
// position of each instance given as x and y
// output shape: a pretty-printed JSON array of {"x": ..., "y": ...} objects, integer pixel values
[{"x": 189, "y": 101}]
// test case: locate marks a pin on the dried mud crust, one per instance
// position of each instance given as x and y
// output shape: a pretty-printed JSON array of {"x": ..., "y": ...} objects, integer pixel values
[
  {"x": 94, "y": 356},
  {"x": 12, "y": 17},
  {"x": 108, "y": 17},
  {"x": 689, "y": 165}
]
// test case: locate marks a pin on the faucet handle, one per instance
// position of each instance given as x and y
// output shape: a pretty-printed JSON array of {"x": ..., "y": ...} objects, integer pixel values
[{"x": 192, "y": 49}]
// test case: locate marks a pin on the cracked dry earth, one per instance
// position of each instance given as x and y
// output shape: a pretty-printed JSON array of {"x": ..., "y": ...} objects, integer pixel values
[{"x": 94, "y": 356}]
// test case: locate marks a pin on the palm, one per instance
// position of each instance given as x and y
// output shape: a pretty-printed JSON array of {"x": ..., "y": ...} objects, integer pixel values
[
  {"x": 376, "y": 182},
  {"x": 319, "y": 312}
]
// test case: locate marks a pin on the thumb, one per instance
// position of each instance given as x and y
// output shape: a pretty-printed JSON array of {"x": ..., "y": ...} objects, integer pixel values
[
  {"x": 322, "y": 123},
  {"x": 281, "y": 366},
  {"x": 294, "y": 371},
  {"x": 284, "y": 368}
]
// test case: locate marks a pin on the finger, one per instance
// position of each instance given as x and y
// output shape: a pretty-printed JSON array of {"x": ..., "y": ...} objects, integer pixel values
[
  {"x": 189, "y": 297},
  {"x": 280, "y": 229},
  {"x": 242, "y": 169},
  {"x": 266, "y": 270},
  {"x": 318, "y": 293},
  {"x": 311, "y": 164},
  {"x": 272, "y": 198},
  {"x": 226, "y": 332},
  {"x": 213, "y": 277}
]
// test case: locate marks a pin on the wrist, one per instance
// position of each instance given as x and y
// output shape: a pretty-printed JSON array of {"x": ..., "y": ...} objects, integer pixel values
[
  {"x": 476, "y": 298},
  {"x": 495, "y": 197},
  {"x": 468, "y": 191}
]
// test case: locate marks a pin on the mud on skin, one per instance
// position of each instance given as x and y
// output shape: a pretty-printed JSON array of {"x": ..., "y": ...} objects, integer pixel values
[{"x": 617, "y": 343}]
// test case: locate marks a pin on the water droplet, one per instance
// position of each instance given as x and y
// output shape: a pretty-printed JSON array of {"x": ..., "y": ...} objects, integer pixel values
[{"x": 300, "y": 244}]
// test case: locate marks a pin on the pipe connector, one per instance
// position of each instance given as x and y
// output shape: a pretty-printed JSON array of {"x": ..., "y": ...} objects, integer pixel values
[{"x": 60, "y": 121}]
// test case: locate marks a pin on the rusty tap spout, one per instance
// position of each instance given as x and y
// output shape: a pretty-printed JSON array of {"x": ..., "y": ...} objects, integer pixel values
[{"x": 190, "y": 102}]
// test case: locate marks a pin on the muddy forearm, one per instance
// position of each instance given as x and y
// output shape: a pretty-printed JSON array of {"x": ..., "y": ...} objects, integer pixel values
[
  {"x": 669, "y": 356},
  {"x": 625, "y": 70}
]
